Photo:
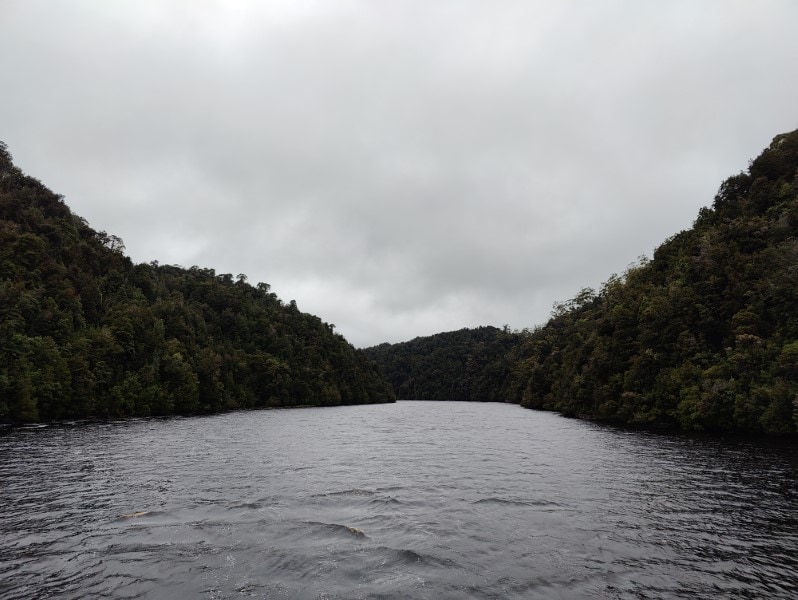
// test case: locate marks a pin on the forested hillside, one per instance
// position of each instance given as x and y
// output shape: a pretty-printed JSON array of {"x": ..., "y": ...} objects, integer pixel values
[
  {"x": 84, "y": 332},
  {"x": 704, "y": 336},
  {"x": 470, "y": 364}
]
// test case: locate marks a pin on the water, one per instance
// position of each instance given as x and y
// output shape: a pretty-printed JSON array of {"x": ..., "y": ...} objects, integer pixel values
[{"x": 412, "y": 500}]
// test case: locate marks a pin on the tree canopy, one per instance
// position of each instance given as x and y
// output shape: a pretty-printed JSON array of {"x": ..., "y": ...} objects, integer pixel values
[
  {"x": 84, "y": 332},
  {"x": 469, "y": 364},
  {"x": 703, "y": 336}
]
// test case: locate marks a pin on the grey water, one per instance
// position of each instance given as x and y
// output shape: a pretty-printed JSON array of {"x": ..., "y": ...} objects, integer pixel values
[{"x": 408, "y": 500}]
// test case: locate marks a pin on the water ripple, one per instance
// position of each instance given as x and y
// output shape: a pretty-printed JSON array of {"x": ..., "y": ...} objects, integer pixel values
[{"x": 413, "y": 500}]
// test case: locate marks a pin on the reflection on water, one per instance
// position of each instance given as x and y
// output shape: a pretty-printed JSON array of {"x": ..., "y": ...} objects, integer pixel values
[{"x": 412, "y": 500}]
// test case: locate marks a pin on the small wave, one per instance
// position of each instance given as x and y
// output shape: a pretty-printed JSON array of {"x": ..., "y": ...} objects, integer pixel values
[
  {"x": 335, "y": 528},
  {"x": 409, "y": 556},
  {"x": 509, "y": 502},
  {"x": 138, "y": 514},
  {"x": 250, "y": 505},
  {"x": 352, "y": 492},
  {"x": 406, "y": 557},
  {"x": 389, "y": 500}
]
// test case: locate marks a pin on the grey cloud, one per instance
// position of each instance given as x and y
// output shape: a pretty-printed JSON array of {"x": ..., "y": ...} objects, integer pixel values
[{"x": 399, "y": 168}]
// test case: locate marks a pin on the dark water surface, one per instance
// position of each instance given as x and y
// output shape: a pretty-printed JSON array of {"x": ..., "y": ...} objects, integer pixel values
[{"x": 412, "y": 500}]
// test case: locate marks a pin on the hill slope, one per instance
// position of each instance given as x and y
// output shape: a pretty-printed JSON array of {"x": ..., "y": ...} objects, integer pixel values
[
  {"x": 704, "y": 336},
  {"x": 469, "y": 364},
  {"x": 85, "y": 332}
]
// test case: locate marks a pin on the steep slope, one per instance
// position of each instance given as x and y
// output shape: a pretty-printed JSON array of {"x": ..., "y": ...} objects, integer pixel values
[
  {"x": 84, "y": 332},
  {"x": 469, "y": 364},
  {"x": 704, "y": 336}
]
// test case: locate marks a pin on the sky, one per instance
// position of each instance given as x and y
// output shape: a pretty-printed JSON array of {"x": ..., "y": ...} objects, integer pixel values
[{"x": 397, "y": 167}]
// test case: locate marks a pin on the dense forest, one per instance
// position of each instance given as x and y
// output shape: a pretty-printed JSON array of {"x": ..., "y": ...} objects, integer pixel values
[
  {"x": 703, "y": 336},
  {"x": 84, "y": 332},
  {"x": 470, "y": 364}
]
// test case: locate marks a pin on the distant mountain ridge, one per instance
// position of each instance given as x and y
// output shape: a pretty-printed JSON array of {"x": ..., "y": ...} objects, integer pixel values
[
  {"x": 704, "y": 336},
  {"x": 84, "y": 332}
]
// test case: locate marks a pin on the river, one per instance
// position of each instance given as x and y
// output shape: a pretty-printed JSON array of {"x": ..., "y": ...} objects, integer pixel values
[{"x": 407, "y": 500}]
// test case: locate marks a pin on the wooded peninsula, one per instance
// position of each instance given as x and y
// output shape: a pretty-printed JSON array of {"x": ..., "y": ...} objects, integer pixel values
[{"x": 702, "y": 336}]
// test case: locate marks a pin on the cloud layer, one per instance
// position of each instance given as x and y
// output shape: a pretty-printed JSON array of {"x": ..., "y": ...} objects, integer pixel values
[{"x": 398, "y": 168}]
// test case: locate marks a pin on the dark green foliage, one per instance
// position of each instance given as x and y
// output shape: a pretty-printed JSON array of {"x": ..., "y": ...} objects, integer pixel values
[
  {"x": 85, "y": 332},
  {"x": 470, "y": 364},
  {"x": 702, "y": 337}
]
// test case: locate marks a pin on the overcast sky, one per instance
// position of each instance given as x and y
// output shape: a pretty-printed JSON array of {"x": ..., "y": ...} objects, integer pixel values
[{"x": 400, "y": 168}]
